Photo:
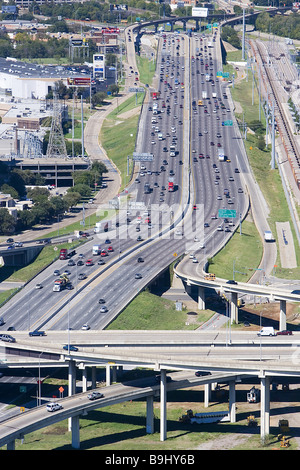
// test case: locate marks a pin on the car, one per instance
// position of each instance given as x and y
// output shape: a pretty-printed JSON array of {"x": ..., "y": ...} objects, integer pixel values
[
  {"x": 81, "y": 276},
  {"x": 284, "y": 332},
  {"x": 194, "y": 207},
  {"x": 18, "y": 244},
  {"x": 71, "y": 262},
  {"x": 138, "y": 276},
  {"x": 103, "y": 253},
  {"x": 85, "y": 327},
  {"x": 195, "y": 260},
  {"x": 53, "y": 406},
  {"x": 67, "y": 272},
  {"x": 231, "y": 281},
  {"x": 206, "y": 224},
  {"x": 231, "y": 178},
  {"x": 200, "y": 373},
  {"x": 139, "y": 239},
  {"x": 140, "y": 260},
  {"x": 38, "y": 286},
  {"x": 240, "y": 190},
  {"x": 69, "y": 286},
  {"x": 37, "y": 333},
  {"x": 101, "y": 301},
  {"x": 103, "y": 309},
  {"x": 56, "y": 272},
  {"x": 2, "y": 322},
  {"x": 10, "y": 240},
  {"x": 107, "y": 241},
  {"x": 89, "y": 262},
  {"x": 101, "y": 262},
  {"x": 95, "y": 395},
  {"x": 7, "y": 338},
  {"x": 80, "y": 263},
  {"x": 157, "y": 378},
  {"x": 110, "y": 249},
  {"x": 70, "y": 347}
]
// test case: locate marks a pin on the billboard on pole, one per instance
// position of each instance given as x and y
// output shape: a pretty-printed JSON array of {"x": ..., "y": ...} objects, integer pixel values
[{"x": 200, "y": 12}]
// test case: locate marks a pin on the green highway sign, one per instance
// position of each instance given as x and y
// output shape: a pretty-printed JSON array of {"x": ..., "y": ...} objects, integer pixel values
[
  {"x": 227, "y": 123},
  {"x": 226, "y": 213}
]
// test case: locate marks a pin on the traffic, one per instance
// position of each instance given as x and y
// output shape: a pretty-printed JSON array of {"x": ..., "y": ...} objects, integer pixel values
[{"x": 194, "y": 156}]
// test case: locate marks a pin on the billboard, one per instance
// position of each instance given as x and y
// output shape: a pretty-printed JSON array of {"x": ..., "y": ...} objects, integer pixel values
[
  {"x": 200, "y": 12},
  {"x": 99, "y": 65},
  {"x": 79, "y": 81}
]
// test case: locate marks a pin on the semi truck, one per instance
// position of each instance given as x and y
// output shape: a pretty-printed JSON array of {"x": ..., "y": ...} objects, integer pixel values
[
  {"x": 96, "y": 249},
  {"x": 171, "y": 185},
  {"x": 221, "y": 155},
  {"x": 102, "y": 227},
  {"x": 155, "y": 107},
  {"x": 61, "y": 283},
  {"x": 66, "y": 253}
]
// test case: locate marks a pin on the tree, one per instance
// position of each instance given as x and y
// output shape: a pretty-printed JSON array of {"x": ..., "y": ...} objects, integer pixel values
[
  {"x": 6, "y": 189},
  {"x": 7, "y": 222},
  {"x": 83, "y": 189},
  {"x": 98, "y": 98},
  {"x": 38, "y": 194},
  {"x": 71, "y": 199}
]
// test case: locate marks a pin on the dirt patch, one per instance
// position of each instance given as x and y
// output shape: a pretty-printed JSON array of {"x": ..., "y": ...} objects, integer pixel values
[
  {"x": 268, "y": 314},
  {"x": 225, "y": 442}
]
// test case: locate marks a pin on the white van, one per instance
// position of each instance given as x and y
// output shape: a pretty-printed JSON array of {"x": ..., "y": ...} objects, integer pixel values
[{"x": 267, "y": 331}]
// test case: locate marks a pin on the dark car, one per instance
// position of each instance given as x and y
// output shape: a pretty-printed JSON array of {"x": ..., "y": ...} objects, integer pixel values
[
  {"x": 70, "y": 347},
  {"x": 231, "y": 281},
  {"x": 37, "y": 333},
  {"x": 157, "y": 378},
  {"x": 200, "y": 373},
  {"x": 284, "y": 332},
  {"x": 81, "y": 276},
  {"x": 101, "y": 301},
  {"x": 140, "y": 260}
]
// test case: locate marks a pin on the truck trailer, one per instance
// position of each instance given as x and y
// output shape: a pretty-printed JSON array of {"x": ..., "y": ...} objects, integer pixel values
[
  {"x": 61, "y": 283},
  {"x": 66, "y": 253}
]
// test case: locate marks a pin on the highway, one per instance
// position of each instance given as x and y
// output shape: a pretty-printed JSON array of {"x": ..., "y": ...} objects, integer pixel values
[{"x": 195, "y": 184}]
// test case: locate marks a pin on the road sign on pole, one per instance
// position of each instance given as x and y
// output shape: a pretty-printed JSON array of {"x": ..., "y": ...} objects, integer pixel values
[{"x": 226, "y": 213}]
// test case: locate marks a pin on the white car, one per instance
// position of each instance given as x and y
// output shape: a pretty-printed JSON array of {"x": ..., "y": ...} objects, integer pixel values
[
  {"x": 195, "y": 260},
  {"x": 103, "y": 309},
  {"x": 53, "y": 406},
  {"x": 38, "y": 286},
  {"x": 85, "y": 327}
]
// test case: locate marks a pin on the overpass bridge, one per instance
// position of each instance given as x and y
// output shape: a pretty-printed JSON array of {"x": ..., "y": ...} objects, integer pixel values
[
  {"x": 271, "y": 292},
  {"x": 228, "y": 358}
]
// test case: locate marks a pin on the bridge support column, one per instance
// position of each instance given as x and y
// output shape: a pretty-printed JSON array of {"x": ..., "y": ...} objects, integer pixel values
[
  {"x": 282, "y": 317},
  {"x": 75, "y": 432},
  {"x": 265, "y": 407},
  {"x": 150, "y": 416},
  {"x": 201, "y": 298},
  {"x": 11, "y": 445},
  {"x": 114, "y": 373},
  {"x": 207, "y": 394},
  {"x": 93, "y": 376},
  {"x": 84, "y": 379},
  {"x": 163, "y": 405},
  {"x": 232, "y": 401},
  {"x": 108, "y": 381},
  {"x": 234, "y": 308},
  {"x": 72, "y": 386}
]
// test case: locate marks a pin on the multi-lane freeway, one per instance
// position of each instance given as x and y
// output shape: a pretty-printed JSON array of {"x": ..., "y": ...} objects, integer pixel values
[{"x": 186, "y": 67}]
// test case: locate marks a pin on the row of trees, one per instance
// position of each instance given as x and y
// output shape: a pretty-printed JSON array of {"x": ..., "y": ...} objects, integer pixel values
[{"x": 280, "y": 25}]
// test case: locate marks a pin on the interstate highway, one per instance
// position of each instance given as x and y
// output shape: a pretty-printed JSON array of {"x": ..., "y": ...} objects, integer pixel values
[{"x": 34, "y": 306}]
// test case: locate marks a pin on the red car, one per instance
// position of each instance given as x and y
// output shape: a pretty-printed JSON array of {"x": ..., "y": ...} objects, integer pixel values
[
  {"x": 284, "y": 332},
  {"x": 110, "y": 248},
  {"x": 103, "y": 253},
  {"x": 89, "y": 262}
]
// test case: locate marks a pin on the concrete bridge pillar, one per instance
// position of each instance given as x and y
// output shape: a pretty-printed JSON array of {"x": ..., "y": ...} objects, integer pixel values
[
  {"x": 150, "y": 416},
  {"x": 75, "y": 432},
  {"x": 282, "y": 316},
  {"x": 11, "y": 445},
  {"x": 201, "y": 298},
  {"x": 108, "y": 380},
  {"x": 265, "y": 407},
  {"x": 84, "y": 379},
  {"x": 232, "y": 401},
  {"x": 93, "y": 376},
  {"x": 163, "y": 405},
  {"x": 71, "y": 386},
  {"x": 234, "y": 308},
  {"x": 207, "y": 394}
]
